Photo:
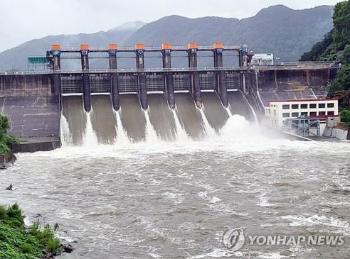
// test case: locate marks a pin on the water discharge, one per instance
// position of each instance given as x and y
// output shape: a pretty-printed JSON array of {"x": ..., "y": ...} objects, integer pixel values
[
  {"x": 161, "y": 118},
  {"x": 181, "y": 134},
  {"x": 90, "y": 139},
  {"x": 214, "y": 110},
  {"x": 66, "y": 137},
  {"x": 103, "y": 120},
  {"x": 157, "y": 196},
  {"x": 210, "y": 132},
  {"x": 151, "y": 135},
  {"x": 122, "y": 138}
]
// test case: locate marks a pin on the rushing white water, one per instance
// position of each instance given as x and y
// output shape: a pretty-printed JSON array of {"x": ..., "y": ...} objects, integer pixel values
[
  {"x": 208, "y": 129},
  {"x": 252, "y": 110},
  {"x": 122, "y": 137},
  {"x": 237, "y": 135},
  {"x": 90, "y": 139},
  {"x": 66, "y": 137},
  {"x": 181, "y": 134},
  {"x": 151, "y": 135},
  {"x": 164, "y": 199},
  {"x": 228, "y": 110}
]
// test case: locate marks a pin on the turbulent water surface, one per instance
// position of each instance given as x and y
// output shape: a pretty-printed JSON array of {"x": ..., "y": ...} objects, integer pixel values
[{"x": 153, "y": 190}]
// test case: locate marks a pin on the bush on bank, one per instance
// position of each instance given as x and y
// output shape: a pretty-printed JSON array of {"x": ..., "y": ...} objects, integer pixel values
[
  {"x": 17, "y": 241},
  {"x": 5, "y": 139},
  {"x": 345, "y": 116}
]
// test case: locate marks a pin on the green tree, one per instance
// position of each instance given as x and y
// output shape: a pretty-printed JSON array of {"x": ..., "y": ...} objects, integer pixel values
[
  {"x": 346, "y": 55},
  {"x": 342, "y": 81},
  {"x": 319, "y": 49},
  {"x": 5, "y": 139},
  {"x": 345, "y": 116},
  {"x": 341, "y": 20}
]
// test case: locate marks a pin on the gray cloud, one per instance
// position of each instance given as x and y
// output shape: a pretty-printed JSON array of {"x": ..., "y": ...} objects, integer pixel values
[{"x": 22, "y": 20}]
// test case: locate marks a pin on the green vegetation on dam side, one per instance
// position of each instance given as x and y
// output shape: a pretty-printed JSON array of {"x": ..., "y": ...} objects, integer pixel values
[
  {"x": 336, "y": 47},
  {"x": 6, "y": 140}
]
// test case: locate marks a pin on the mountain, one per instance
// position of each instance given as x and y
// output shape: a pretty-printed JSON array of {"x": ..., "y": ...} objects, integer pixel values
[
  {"x": 277, "y": 29},
  {"x": 16, "y": 58},
  {"x": 336, "y": 47}
]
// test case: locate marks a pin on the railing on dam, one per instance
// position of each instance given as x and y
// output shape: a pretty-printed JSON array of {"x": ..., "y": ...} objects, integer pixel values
[
  {"x": 281, "y": 66},
  {"x": 297, "y": 65}
]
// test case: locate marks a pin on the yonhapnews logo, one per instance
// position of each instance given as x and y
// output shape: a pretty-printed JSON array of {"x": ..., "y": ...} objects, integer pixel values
[{"x": 234, "y": 239}]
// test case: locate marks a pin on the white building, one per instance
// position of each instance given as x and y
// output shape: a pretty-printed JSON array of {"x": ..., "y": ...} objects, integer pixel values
[
  {"x": 277, "y": 112},
  {"x": 262, "y": 60}
]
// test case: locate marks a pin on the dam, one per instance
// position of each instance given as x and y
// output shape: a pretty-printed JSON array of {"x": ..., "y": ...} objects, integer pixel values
[
  {"x": 168, "y": 182},
  {"x": 195, "y": 100}
]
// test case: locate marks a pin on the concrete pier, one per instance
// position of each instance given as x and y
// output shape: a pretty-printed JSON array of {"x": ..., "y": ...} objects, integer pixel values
[
  {"x": 112, "y": 56},
  {"x": 84, "y": 51},
  {"x": 115, "y": 91},
  {"x": 56, "y": 53},
  {"x": 192, "y": 49},
  {"x": 220, "y": 79},
  {"x": 141, "y": 77},
  {"x": 168, "y": 76},
  {"x": 113, "y": 65}
]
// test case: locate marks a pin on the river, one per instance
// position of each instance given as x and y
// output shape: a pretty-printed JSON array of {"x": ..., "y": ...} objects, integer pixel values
[{"x": 175, "y": 199}]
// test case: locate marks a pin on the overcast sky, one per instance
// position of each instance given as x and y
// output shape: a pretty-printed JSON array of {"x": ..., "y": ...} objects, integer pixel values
[{"x": 22, "y": 20}]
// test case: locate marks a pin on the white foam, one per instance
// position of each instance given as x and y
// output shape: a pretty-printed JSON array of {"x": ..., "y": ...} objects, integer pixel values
[
  {"x": 122, "y": 138},
  {"x": 208, "y": 129},
  {"x": 151, "y": 135},
  {"x": 264, "y": 201},
  {"x": 237, "y": 136},
  {"x": 90, "y": 139},
  {"x": 228, "y": 110},
  {"x": 181, "y": 134},
  {"x": 66, "y": 137},
  {"x": 342, "y": 225},
  {"x": 216, "y": 253}
]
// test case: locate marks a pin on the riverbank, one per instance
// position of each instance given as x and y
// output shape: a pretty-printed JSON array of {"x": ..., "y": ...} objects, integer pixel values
[{"x": 20, "y": 241}]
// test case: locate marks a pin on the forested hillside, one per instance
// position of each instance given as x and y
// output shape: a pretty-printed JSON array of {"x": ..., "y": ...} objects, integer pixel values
[{"x": 336, "y": 47}]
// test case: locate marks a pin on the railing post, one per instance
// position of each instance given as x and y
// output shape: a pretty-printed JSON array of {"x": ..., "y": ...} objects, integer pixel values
[
  {"x": 192, "y": 49},
  {"x": 84, "y": 51},
  {"x": 168, "y": 76},
  {"x": 140, "y": 66},
  {"x": 220, "y": 76}
]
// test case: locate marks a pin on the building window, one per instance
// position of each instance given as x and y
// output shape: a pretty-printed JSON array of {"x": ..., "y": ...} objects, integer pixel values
[
  {"x": 285, "y": 115},
  {"x": 322, "y": 113},
  {"x": 304, "y": 114},
  {"x": 331, "y": 113},
  {"x": 285, "y": 107},
  {"x": 295, "y": 106},
  {"x": 313, "y": 106},
  {"x": 303, "y": 106},
  {"x": 295, "y": 114},
  {"x": 330, "y": 105},
  {"x": 313, "y": 114},
  {"x": 321, "y": 105}
]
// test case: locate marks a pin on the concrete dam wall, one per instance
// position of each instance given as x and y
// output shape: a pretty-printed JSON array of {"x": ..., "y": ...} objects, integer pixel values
[
  {"x": 33, "y": 102},
  {"x": 32, "y": 105},
  {"x": 281, "y": 84}
]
